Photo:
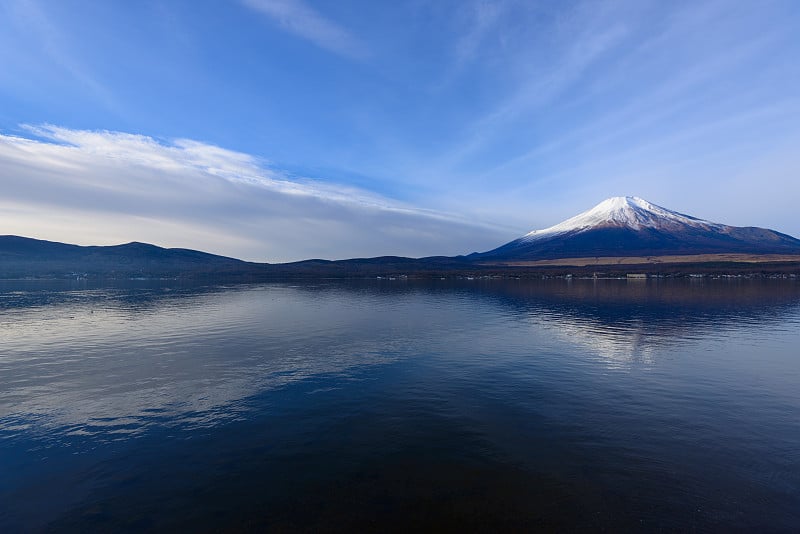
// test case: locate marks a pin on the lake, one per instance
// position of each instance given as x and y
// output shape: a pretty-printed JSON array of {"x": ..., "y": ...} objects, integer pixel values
[{"x": 400, "y": 404}]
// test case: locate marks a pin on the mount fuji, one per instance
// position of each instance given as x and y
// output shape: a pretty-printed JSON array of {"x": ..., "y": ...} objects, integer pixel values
[{"x": 631, "y": 226}]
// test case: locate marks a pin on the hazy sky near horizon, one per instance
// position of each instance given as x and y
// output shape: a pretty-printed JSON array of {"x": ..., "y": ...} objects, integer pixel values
[{"x": 277, "y": 130}]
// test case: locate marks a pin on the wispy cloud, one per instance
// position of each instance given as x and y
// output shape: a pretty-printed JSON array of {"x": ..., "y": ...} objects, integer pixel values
[
  {"x": 582, "y": 37},
  {"x": 483, "y": 18},
  {"x": 109, "y": 187},
  {"x": 298, "y": 18},
  {"x": 33, "y": 20}
]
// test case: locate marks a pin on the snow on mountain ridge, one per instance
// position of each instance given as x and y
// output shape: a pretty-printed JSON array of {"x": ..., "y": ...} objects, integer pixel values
[{"x": 629, "y": 212}]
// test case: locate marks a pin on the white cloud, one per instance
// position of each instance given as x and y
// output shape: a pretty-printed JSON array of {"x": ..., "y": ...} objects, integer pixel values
[
  {"x": 300, "y": 19},
  {"x": 100, "y": 187}
]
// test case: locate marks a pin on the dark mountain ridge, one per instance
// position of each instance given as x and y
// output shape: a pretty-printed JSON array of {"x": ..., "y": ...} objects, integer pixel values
[
  {"x": 620, "y": 227},
  {"x": 23, "y": 256}
]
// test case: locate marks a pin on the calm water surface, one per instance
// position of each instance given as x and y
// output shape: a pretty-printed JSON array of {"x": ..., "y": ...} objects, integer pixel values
[{"x": 396, "y": 405}]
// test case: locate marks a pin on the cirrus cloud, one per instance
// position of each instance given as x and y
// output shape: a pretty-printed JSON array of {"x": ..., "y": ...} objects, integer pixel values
[{"x": 296, "y": 17}]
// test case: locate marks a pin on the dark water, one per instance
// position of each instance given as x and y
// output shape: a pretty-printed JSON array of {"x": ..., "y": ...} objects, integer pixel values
[{"x": 397, "y": 405}]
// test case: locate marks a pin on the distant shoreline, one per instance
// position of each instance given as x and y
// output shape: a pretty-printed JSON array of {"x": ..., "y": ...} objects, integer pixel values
[
  {"x": 652, "y": 260},
  {"x": 615, "y": 268}
]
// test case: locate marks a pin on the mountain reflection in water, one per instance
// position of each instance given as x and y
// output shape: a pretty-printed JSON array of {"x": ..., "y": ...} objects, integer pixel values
[{"x": 401, "y": 404}]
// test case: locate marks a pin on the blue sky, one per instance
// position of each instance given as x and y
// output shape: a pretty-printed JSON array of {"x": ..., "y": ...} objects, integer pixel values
[{"x": 276, "y": 130}]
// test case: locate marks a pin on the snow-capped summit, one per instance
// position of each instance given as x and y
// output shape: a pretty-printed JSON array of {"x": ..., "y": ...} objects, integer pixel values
[
  {"x": 629, "y": 212},
  {"x": 632, "y": 226}
]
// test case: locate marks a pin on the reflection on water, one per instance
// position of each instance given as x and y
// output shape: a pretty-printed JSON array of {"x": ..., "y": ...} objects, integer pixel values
[
  {"x": 339, "y": 405},
  {"x": 623, "y": 321}
]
